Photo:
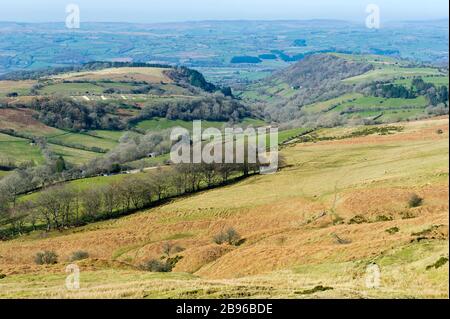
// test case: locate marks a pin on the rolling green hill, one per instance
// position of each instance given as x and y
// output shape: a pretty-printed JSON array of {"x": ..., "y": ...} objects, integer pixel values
[
  {"x": 81, "y": 113},
  {"x": 337, "y": 86}
]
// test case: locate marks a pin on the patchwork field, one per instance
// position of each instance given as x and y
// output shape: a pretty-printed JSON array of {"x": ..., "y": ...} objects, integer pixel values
[
  {"x": 22, "y": 120},
  {"x": 73, "y": 155},
  {"x": 436, "y": 80},
  {"x": 76, "y": 148},
  {"x": 332, "y": 103},
  {"x": 158, "y": 124},
  {"x": 84, "y": 140},
  {"x": 150, "y": 75},
  {"x": 389, "y": 109},
  {"x": 309, "y": 231},
  {"x": 349, "y": 96},
  {"x": 371, "y": 102},
  {"x": 20, "y": 87},
  {"x": 18, "y": 150},
  {"x": 388, "y": 72},
  {"x": 388, "y": 68},
  {"x": 72, "y": 89}
]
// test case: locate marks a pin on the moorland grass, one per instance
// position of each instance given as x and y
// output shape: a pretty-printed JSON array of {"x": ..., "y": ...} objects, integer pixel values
[{"x": 282, "y": 255}]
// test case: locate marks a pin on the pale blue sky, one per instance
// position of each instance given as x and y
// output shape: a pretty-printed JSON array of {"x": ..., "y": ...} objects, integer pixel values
[{"x": 149, "y": 11}]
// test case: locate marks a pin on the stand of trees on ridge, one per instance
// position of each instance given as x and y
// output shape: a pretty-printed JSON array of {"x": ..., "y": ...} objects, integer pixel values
[{"x": 68, "y": 114}]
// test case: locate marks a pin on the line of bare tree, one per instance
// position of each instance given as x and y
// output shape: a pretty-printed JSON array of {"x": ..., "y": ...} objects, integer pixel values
[{"x": 64, "y": 206}]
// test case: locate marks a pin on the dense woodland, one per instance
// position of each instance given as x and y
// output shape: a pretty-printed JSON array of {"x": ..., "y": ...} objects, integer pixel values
[
  {"x": 245, "y": 59},
  {"x": 192, "y": 77},
  {"x": 207, "y": 107},
  {"x": 67, "y": 114},
  {"x": 435, "y": 95}
]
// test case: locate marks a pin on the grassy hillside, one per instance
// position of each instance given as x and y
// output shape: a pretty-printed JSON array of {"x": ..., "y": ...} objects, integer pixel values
[
  {"x": 337, "y": 207},
  {"x": 310, "y": 73},
  {"x": 82, "y": 115},
  {"x": 389, "y": 72},
  {"x": 149, "y": 75},
  {"x": 79, "y": 157},
  {"x": 339, "y": 85},
  {"x": 75, "y": 147},
  {"x": 388, "y": 109}
]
